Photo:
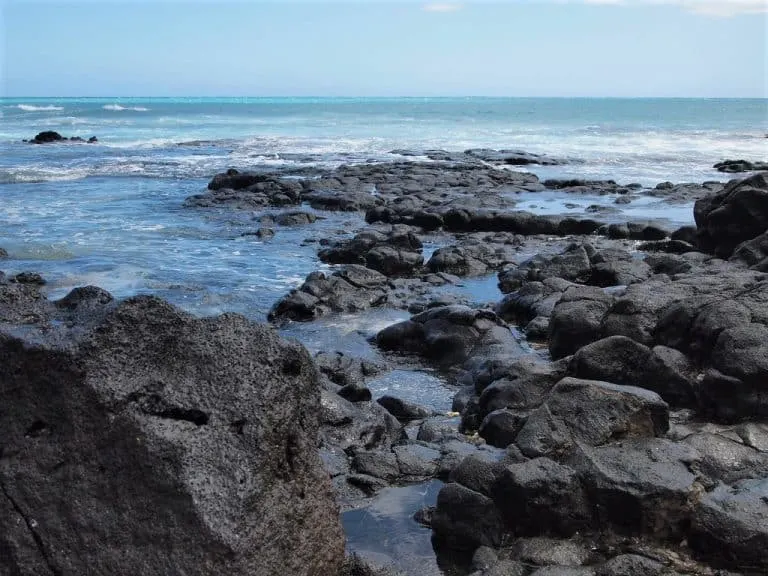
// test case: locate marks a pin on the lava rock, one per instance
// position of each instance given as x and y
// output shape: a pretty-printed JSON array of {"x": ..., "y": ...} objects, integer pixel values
[{"x": 183, "y": 442}]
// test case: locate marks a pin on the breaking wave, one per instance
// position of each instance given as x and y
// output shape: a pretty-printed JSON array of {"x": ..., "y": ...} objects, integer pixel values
[
  {"x": 32, "y": 108},
  {"x": 119, "y": 108}
]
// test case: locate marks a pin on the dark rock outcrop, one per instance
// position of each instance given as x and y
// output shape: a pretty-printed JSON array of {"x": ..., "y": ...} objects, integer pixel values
[
  {"x": 49, "y": 136},
  {"x": 737, "y": 214},
  {"x": 733, "y": 166},
  {"x": 186, "y": 445}
]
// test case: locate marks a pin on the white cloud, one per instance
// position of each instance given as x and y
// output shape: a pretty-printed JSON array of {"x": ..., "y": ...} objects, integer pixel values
[
  {"x": 720, "y": 8},
  {"x": 725, "y": 8},
  {"x": 441, "y": 7}
]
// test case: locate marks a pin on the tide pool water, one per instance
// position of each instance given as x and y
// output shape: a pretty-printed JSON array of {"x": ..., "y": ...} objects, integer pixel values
[{"x": 111, "y": 213}]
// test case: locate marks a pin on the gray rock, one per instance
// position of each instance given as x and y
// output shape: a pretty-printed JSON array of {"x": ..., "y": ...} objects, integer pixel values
[
  {"x": 732, "y": 166},
  {"x": 500, "y": 427},
  {"x": 449, "y": 335},
  {"x": 186, "y": 444},
  {"x": 417, "y": 461},
  {"x": 465, "y": 519},
  {"x": 616, "y": 359},
  {"x": 402, "y": 410},
  {"x": 506, "y": 568},
  {"x": 295, "y": 218},
  {"x": 737, "y": 214},
  {"x": 591, "y": 413},
  {"x": 632, "y": 565},
  {"x": 548, "y": 551},
  {"x": 730, "y": 526},
  {"x": 379, "y": 464},
  {"x": 352, "y": 289},
  {"x": 343, "y": 369},
  {"x": 577, "y": 319},
  {"x": 725, "y": 460},
  {"x": 542, "y": 497},
  {"x": 563, "y": 571},
  {"x": 572, "y": 265},
  {"x": 639, "y": 485},
  {"x": 753, "y": 252}
]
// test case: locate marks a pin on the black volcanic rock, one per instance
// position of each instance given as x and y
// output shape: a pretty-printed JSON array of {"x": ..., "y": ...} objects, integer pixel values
[
  {"x": 137, "y": 439},
  {"x": 733, "y": 166}
]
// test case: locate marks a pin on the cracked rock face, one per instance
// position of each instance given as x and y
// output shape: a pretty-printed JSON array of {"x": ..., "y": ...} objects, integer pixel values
[{"x": 136, "y": 439}]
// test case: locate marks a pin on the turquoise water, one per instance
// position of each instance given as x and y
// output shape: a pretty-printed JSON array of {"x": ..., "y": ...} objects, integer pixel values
[{"x": 111, "y": 213}]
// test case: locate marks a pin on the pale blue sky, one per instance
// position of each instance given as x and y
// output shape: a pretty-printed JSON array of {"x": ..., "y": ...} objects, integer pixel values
[{"x": 362, "y": 48}]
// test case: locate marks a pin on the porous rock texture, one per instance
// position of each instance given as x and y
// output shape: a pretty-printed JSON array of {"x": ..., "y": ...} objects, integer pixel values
[{"x": 137, "y": 439}]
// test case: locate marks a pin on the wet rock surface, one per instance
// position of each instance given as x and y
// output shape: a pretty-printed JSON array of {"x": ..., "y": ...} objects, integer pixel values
[
  {"x": 50, "y": 136},
  {"x": 610, "y": 404}
]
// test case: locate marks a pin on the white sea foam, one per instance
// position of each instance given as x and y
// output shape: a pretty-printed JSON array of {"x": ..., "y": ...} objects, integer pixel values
[
  {"x": 33, "y": 108},
  {"x": 119, "y": 108},
  {"x": 31, "y": 175}
]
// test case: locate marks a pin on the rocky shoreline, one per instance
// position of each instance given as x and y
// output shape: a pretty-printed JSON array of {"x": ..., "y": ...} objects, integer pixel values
[{"x": 623, "y": 429}]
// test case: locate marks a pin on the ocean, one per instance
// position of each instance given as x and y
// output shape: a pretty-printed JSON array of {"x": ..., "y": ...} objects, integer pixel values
[{"x": 111, "y": 213}]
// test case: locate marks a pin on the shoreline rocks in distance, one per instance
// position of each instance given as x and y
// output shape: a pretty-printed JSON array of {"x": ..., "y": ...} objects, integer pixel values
[
  {"x": 735, "y": 166},
  {"x": 49, "y": 137}
]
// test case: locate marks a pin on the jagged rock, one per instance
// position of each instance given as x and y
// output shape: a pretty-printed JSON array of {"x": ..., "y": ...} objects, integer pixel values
[
  {"x": 449, "y": 334},
  {"x": 354, "y": 427},
  {"x": 669, "y": 246},
  {"x": 500, "y": 427},
  {"x": 639, "y": 485},
  {"x": 416, "y": 461},
  {"x": 687, "y": 234},
  {"x": 343, "y": 369},
  {"x": 577, "y": 319},
  {"x": 730, "y": 526},
  {"x": 548, "y": 551},
  {"x": 564, "y": 571},
  {"x": 466, "y": 519},
  {"x": 533, "y": 299},
  {"x": 520, "y": 385},
  {"x": 727, "y": 460},
  {"x": 732, "y": 166},
  {"x": 29, "y": 278},
  {"x": 619, "y": 273},
  {"x": 512, "y": 157},
  {"x": 668, "y": 264},
  {"x": 295, "y": 218},
  {"x": 3, "y": 254},
  {"x": 185, "y": 444},
  {"x": 541, "y": 496},
  {"x": 591, "y": 413},
  {"x": 472, "y": 259},
  {"x": 402, "y": 410},
  {"x": 753, "y": 253},
  {"x": 737, "y": 214},
  {"x": 352, "y": 289},
  {"x": 632, "y": 565},
  {"x": 616, "y": 359},
  {"x": 355, "y": 393},
  {"x": 620, "y": 360},
  {"x": 572, "y": 265}
]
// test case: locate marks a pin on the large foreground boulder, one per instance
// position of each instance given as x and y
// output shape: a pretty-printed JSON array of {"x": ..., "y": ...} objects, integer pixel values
[{"x": 136, "y": 439}]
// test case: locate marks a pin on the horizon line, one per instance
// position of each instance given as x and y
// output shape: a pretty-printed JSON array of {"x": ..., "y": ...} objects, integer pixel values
[{"x": 413, "y": 97}]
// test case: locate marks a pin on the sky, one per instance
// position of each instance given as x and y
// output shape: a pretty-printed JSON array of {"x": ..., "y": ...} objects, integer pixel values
[{"x": 600, "y": 48}]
